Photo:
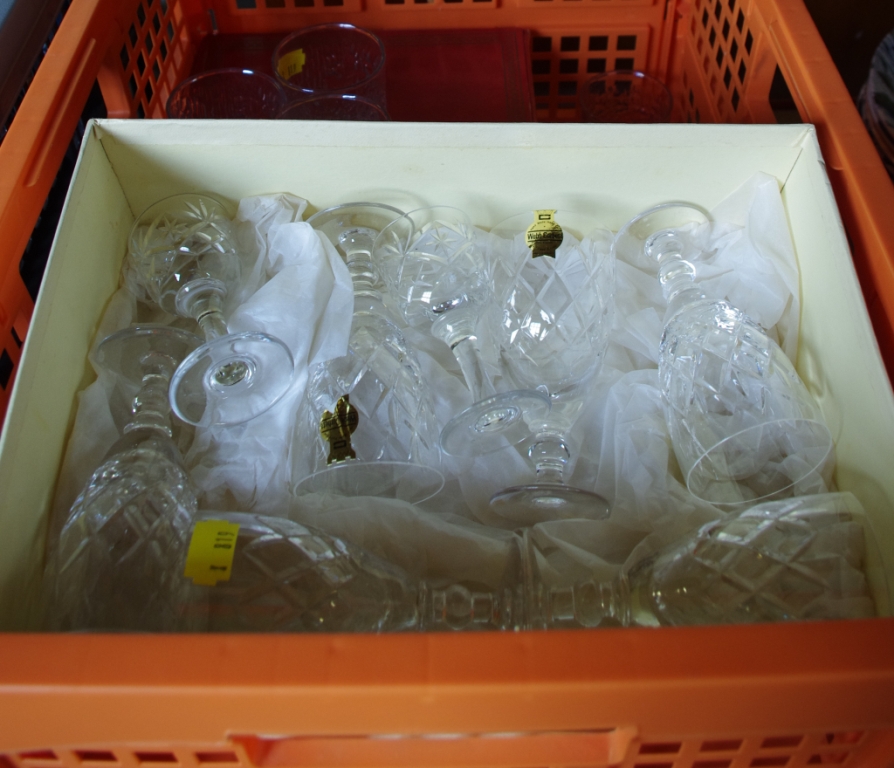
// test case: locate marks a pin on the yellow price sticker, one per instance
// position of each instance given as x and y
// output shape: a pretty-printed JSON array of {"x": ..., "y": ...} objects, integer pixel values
[
  {"x": 211, "y": 549},
  {"x": 291, "y": 64}
]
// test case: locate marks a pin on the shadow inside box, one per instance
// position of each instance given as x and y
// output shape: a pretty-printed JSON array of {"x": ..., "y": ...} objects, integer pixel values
[{"x": 478, "y": 75}]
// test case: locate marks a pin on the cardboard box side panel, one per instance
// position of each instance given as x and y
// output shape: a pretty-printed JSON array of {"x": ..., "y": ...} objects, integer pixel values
[
  {"x": 79, "y": 279},
  {"x": 492, "y": 177},
  {"x": 838, "y": 356}
]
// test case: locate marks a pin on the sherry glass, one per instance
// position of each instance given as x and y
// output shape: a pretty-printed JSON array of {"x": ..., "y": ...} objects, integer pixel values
[
  {"x": 183, "y": 256},
  {"x": 435, "y": 267},
  {"x": 743, "y": 425},
  {"x": 120, "y": 548},
  {"x": 555, "y": 282},
  {"x": 366, "y": 425}
]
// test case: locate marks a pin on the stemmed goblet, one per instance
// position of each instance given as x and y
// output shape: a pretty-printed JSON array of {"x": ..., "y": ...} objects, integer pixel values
[
  {"x": 119, "y": 550},
  {"x": 554, "y": 279},
  {"x": 366, "y": 425},
  {"x": 796, "y": 559},
  {"x": 743, "y": 425},
  {"x": 183, "y": 256},
  {"x": 434, "y": 265}
]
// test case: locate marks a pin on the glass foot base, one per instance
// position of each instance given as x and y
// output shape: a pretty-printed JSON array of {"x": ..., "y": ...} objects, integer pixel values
[
  {"x": 232, "y": 379},
  {"x": 401, "y": 480},
  {"x": 497, "y": 422},
  {"x": 540, "y": 503}
]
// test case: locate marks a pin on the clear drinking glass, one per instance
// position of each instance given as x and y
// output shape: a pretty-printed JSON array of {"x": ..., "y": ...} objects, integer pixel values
[
  {"x": 625, "y": 96},
  {"x": 435, "y": 266},
  {"x": 338, "y": 106},
  {"x": 226, "y": 94},
  {"x": 743, "y": 425},
  {"x": 554, "y": 279},
  {"x": 798, "y": 559},
  {"x": 183, "y": 256},
  {"x": 366, "y": 425},
  {"x": 288, "y": 577},
  {"x": 333, "y": 58},
  {"x": 116, "y": 566}
]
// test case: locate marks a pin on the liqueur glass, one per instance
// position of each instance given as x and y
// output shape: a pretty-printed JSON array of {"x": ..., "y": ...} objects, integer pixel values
[
  {"x": 120, "y": 548},
  {"x": 554, "y": 280},
  {"x": 183, "y": 256},
  {"x": 366, "y": 425},
  {"x": 436, "y": 269},
  {"x": 743, "y": 425}
]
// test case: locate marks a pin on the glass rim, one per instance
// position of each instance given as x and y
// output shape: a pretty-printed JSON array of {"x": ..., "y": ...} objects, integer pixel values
[
  {"x": 307, "y": 484},
  {"x": 779, "y": 492},
  {"x": 298, "y": 33},
  {"x": 317, "y": 96},
  {"x": 362, "y": 205},
  {"x": 210, "y": 74},
  {"x": 138, "y": 219}
]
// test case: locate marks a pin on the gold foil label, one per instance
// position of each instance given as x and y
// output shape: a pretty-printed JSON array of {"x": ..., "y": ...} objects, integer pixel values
[
  {"x": 336, "y": 428},
  {"x": 544, "y": 236}
]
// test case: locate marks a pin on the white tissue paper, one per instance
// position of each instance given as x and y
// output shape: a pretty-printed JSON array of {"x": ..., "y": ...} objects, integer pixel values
[{"x": 297, "y": 287}]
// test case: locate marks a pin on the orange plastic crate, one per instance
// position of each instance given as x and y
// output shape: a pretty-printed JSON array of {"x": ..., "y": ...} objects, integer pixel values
[
  {"x": 720, "y": 58},
  {"x": 718, "y": 697}
]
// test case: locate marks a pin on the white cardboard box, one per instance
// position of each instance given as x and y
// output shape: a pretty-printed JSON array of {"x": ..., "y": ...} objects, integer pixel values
[{"x": 489, "y": 170}]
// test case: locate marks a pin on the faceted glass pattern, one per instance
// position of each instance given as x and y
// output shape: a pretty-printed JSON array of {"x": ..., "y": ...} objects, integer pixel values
[
  {"x": 556, "y": 312},
  {"x": 121, "y": 550},
  {"x": 743, "y": 424},
  {"x": 794, "y": 559},
  {"x": 432, "y": 264},
  {"x": 397, "y": 425},
  {"x": 180, "y": 240},
  {"x": 288, "y": 577},
  {"x": 791, "y": 560}
]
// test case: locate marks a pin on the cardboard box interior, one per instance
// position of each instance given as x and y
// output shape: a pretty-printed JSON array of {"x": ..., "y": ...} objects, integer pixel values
[{"x": 491, "y": 171}]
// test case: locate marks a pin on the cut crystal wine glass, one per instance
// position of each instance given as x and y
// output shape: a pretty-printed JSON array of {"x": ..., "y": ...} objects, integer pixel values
[
  {"x": 117, "y": 562},
  {"x": 183, "y": 256},
  {"x": 366, "y": 425},
  {"x": 434, "y": 265},
  {"x": 801, "y": 558},
  {"x": 797, "y": 559},
  {"x": 554, "y": 279},
  {"x": 291, "y": 577},
  {"x": 744, "y": 426}
]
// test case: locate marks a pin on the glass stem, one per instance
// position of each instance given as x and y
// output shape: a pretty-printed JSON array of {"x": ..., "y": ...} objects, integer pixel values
[
  {"x": 676, "y": 274},
  {"x": 150, "y": 406},
  {"x": 364, "y": 276},
  {"x": 550, "y": 455},
  {"x": 458, "y": 333},
  {"x": 458, "y": 608},
  {"x": 207, "y": 310},
  {"x": 550, "y": 452},
  {"x": 585, "y": 604}
]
